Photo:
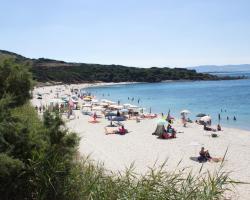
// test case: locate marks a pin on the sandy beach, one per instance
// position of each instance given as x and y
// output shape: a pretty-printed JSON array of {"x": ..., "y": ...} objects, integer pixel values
[{"x": 143, "y": 149}]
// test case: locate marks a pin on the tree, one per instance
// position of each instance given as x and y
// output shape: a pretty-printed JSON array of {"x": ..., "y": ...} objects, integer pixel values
[{"x": 16, "y": 80}]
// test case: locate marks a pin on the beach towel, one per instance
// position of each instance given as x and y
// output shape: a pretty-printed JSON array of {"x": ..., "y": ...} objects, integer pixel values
[{"x": 94, "y": 121}]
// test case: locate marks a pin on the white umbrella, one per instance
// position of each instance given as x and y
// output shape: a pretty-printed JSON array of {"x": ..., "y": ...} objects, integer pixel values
[
  {"x": 87, "y": 105},
  {"x": 94, "y": 101},
  {"x": 133, "y": 106},
  {"x": 109, "y": 102},
  {"x": 104, "y": 100},
  {"x": 104, "y": 104},
  {"x": 185, "y": 112},
  {"x": 127, "y": 104},
  {"x": 98, "y": 108},
  {"x": 205, "y": 118},
  {"x": 116, "y": 107}
]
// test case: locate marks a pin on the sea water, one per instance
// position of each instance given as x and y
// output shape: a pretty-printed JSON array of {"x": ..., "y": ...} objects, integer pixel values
[{"x": 228, "y": 98}]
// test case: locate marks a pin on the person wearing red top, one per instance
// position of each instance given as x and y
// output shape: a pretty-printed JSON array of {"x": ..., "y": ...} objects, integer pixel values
[{"x": 122, "y": 130}]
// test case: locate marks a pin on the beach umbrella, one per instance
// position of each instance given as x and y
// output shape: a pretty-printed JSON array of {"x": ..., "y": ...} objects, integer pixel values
[
  {"x": 185, "y": 112},
  {"x": 111, "y": 102},
  {"x": 110, "y": 114},
  {"x": 104, "y": 104},
  {"x": 94, "y": 101},
  {"x": 127, "y": 105},
  {"x": 161, "y": 122},
  {"x": 87, "y": 99},
  {"x": 115, "y": 107},
  {"x": 104, "y": 100},
  {"x": 87, "y": 105},
  {"x": 84, "y": 112},
  {"x": 97, "y": 108},
  {"x": 124, "y": 110},
  {"x": 169, "y": 117},
  {"x": 206, "y": 118},
  {"x": 201, "y": 115},
  {"x": 118, "y": 119},
  {"x": 133, "y": 106}
]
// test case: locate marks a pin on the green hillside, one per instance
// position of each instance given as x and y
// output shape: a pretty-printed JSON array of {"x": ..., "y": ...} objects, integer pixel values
[{"x": 47, "y": 70}]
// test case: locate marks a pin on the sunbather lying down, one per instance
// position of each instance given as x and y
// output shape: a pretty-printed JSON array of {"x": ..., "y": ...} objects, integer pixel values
[
  {"x": 115, "y": 130},
  {"x": 93, "y": 121}
]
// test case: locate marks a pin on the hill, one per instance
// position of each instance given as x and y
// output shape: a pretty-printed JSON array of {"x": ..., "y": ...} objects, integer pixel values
[
  {"x": 48, "y": 70},
  {"x": 223, "y": 68}
]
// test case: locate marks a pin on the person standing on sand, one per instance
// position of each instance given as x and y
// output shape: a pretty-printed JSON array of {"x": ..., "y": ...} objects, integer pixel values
[
  {"x": 183, "y": 118},
  {"x": 218, "y": 127},
  {"x": 118, "y": 113},
  {"x": 95, "y": 116}
]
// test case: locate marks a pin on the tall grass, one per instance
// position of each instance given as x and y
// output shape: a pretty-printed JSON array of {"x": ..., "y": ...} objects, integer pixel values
[{"x": 92, "y": 181}]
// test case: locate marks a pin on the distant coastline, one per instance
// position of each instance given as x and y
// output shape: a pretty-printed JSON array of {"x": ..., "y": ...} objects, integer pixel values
[{"x": 53, "y": 71}]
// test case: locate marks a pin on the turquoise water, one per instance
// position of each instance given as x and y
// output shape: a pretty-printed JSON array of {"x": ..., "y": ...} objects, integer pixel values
[{"x": 209, "y": 97}]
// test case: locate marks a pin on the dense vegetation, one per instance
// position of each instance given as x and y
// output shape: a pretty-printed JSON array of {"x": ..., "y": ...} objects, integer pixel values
[{"x": 46, "y": 70}]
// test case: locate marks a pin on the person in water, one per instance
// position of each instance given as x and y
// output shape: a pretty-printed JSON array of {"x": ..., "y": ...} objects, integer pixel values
[{"x": 234, "y": 118}]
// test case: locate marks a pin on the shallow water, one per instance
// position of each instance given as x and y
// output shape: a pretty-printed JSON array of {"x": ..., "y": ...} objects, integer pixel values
[{"x": 209, "y": 97}]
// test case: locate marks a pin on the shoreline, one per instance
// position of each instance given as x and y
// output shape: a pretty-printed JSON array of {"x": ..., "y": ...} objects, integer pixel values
[
  {"x": 143, "y": 149},
  {"x": 104, "y": 84}
]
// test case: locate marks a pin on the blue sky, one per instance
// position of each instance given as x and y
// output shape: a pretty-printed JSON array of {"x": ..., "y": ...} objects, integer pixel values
[{"x": 142, "y": 33}]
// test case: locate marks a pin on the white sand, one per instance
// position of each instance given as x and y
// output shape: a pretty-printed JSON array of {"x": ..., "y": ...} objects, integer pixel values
[{"x": 144, "y": 149}]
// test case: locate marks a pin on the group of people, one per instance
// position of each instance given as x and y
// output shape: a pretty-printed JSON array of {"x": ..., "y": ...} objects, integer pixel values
[
  {"x": 219, "y": 116},
  {"x": 40, "y": 108}
]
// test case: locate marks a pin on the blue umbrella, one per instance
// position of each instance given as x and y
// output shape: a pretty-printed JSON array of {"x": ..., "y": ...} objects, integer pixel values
[
  {"x": 110, "y": 114},
  {"x": 124, "y": 110},
  {"x": 118, "y": 119},
  {"x": 201, "y": 115}
]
